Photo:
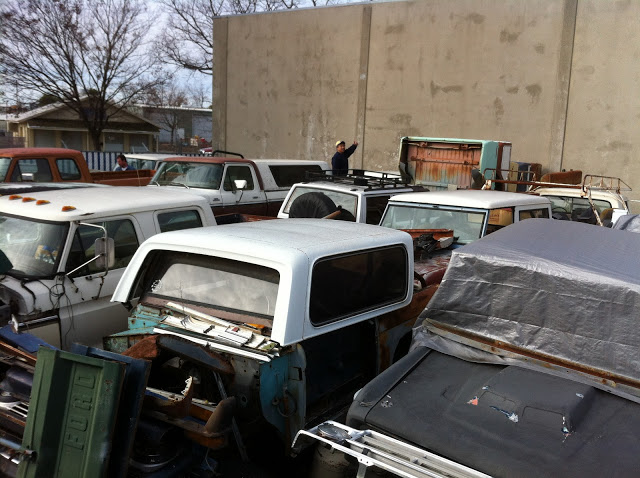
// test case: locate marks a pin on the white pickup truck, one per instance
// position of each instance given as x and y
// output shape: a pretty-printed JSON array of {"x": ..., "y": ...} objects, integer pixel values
[
  {"x": 470, "y": 213},
  {"x": 305, "y": 312},
  {"x": 58, "y": 243},
  {"x": 361, "y": 196},
  {"x": 235, "y": 185}
]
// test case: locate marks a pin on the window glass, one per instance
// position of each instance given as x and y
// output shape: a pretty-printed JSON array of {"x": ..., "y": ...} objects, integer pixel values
[
  {"x": 4, "y": 168},
  {"x": 574, "y": 208},
  {"x": 193, "y": 175},
  {"x": 348, "y": 202},
  {"x": 68, "y": 169},
  {"x": 32, "y": 246},
  {"x": 499, "y": 218},
  {"x": 71, "y": 139},
  {"x": 175, "y": 220},
  {"x": 466, "y": 224},
  {"x": 124, "y": 238},
  {"x": 351, "y": 284},
  {"x": 375, "y": 207},
  {"x": 288, "y": 175},
  {"x": 38, "y": 167},
  {"x": 213, "y": 281},
  {"x": 237, "y": 172},
  {"x": 534, "y": 213}
]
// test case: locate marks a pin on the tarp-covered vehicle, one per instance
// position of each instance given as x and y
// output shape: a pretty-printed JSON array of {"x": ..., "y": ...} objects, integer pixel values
[{"x": 526, "y": 363}]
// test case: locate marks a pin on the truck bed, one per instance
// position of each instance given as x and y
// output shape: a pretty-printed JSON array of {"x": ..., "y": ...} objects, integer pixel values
[{"x": 139, "y": 177}]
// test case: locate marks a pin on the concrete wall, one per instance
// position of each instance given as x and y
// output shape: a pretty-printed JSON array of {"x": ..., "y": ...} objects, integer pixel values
[{"x": 558, "y": 78}]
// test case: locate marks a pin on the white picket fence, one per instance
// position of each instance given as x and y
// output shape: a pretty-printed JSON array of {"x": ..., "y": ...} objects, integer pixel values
[{"x": 106, "y": 160}]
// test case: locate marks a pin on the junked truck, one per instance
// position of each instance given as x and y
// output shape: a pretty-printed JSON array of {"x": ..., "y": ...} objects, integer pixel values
[
  {"x": 69, "y": 248},
  {"x": 302, "y": 311},
  {"x": 61, "y": 165},
  {"x": 525, "y": 363},
  {"x": 448, "y": 163},
  {"x": 359, "y": 196},
  {"x": 235, "y": 184}
]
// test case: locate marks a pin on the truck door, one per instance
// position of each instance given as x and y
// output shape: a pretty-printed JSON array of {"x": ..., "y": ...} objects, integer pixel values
[
  {"x": 86, "y": 313},
  {"x": 251, "y": 200}
]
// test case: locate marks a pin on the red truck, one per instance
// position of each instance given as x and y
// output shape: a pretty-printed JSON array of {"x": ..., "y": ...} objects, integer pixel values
[{"x": 61, "y": 165}]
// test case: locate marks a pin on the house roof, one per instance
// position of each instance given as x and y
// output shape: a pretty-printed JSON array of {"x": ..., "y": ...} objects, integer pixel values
[{"x": 37, "y": 113}]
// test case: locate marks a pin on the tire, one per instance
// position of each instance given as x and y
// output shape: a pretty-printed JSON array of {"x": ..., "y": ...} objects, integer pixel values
[{"x": 312, "y": 205}]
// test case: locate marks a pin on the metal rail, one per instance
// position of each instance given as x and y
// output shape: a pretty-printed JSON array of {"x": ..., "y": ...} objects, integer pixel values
[{"x": 374, "y": 450}]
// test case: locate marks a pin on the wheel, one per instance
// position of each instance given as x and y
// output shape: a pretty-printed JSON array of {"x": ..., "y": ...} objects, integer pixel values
[{"x": 312, "y": 204}]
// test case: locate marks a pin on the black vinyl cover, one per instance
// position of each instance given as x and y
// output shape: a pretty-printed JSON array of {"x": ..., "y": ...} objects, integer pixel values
[
  {"x": 505, "y": 421},
  {"x": 560, "y": 291}
]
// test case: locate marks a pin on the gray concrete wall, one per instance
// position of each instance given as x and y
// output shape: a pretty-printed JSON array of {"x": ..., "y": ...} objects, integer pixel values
[{"x": 558, "y": 78}]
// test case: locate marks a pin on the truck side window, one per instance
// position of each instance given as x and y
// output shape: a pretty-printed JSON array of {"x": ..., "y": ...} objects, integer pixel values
[
  {"x": 176, "y": 220},
  {"x": 83, "y": 246},
  {"x": 237, "y": 172},
  {"x": 499, "y": 218},
  {"x": 375, "y": 208},
  {"x": 68, "y": 169},
  {"x": 533, "y": 213},
  {"x": 38, "y": 167},
  {"x": 350, "y": 284},
  {"x": 287, "y": 175}
]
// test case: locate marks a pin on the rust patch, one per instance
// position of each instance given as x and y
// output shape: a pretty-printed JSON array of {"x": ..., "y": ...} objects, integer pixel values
[
  {"x": 147, "y": 349},
  {"x": 496, "y": 346}
]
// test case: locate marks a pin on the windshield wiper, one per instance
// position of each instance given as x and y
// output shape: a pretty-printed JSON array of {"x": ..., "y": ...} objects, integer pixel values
[{"x": 180, "y": 184}]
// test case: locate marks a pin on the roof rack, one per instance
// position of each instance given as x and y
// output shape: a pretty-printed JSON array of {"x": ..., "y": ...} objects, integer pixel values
[{"x": 360, "y": 177}]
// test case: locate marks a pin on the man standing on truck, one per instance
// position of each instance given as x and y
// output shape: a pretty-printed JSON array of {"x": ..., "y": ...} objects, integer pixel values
[
  {"x": 340, "y": 160},
  {"x": 123, "y": 165}
]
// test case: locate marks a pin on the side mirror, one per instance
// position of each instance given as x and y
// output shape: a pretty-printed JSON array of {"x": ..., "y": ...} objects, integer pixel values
[
  {"x": 240, "y": 184},
  {"x": 27, "y": 177},
  {"x": 105, "y": 254}
]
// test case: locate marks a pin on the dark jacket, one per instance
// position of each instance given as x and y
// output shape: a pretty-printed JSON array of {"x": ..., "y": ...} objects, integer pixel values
[{"x": 340, "y": 161}]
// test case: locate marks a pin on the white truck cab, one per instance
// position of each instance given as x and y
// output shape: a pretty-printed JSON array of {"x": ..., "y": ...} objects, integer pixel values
[
  {"x": 575, "y": 203},
  {"x": 69, "y": 248},
  {"x": 303, "y": 310},
  {"x": 361, "y": 196},
  {"x": 235, "y": 185},
  {"x": 470, "y": 213}
]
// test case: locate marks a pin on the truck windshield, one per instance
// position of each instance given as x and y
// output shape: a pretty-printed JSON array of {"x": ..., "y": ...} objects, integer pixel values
[
  {"x": 348, "y": 202},
  {"x": 33, "y": 247},
  {"x": 226, "y": 284},
  {"x": 4, "y": 167},
  {"x": 193, "y": 175},
  {"x": 466, "y": 224}
]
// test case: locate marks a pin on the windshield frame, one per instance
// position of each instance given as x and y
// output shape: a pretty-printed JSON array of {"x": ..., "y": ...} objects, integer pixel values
[
  {"x": 438, "y": 207},
  {"x": 185, "y": 167},
  {"x": 55, "y": 266}
]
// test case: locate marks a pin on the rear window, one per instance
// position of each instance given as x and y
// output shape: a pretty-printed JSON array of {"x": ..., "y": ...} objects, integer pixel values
[
  {"x": 287, "y": 176},
  {"x": 176, "y": 220},
  {"x": 346, "y": 285},
  {"x": 68, "y": 169}
]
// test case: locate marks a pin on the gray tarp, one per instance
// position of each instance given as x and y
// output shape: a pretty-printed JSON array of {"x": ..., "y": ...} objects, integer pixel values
[
  {"x": 628, "y": 222},
  {"x": 544, "y": 291}
]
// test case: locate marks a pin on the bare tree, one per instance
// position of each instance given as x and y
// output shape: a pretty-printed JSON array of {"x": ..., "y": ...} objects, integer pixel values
[
  {"x": 90, "y": 54},
  {"x": 166, "y": 101},
  {"x": 187, "y": 40}
]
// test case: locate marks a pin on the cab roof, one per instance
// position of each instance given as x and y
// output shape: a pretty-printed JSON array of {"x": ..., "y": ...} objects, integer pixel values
[
  {"x": 472, "y": 198},
  {"x": 96, "y": 202},
  {"x": 31, "y": 152}
]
